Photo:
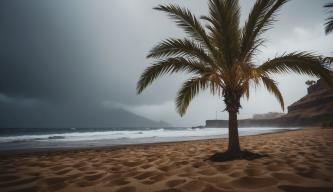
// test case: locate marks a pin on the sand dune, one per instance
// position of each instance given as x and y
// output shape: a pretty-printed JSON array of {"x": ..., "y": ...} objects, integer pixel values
[{"x": 297, "y": 161}]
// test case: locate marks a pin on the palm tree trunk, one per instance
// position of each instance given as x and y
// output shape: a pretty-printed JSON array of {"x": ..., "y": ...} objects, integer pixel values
[{"x": 233, "y": 147}]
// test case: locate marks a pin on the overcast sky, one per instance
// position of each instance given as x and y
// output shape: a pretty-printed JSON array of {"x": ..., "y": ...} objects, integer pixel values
[{"x": 86, "y": 54}]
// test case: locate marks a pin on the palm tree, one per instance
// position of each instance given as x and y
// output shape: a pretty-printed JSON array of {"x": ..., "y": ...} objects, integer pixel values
[
  {"x": 221, "y": 57},
  {"x": 329, "y": 20}
]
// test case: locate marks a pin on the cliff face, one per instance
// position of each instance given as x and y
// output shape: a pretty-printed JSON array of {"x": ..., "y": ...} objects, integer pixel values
[{"x": 314, "y": 109}]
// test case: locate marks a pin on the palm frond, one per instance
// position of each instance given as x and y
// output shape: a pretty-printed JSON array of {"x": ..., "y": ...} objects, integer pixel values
[
  {"x": 261, "y": 18},
  {"x": 187, "y": 21},
  {"x": 171, "y": 65},
  {"x": 328, "y": 5},
  {"x": 298, "y": 62},
  {"x": 224, "y": 28},
  {"x": 179, "y": 47},
  {"x": 329, "y": 25},
  {"x": 328, "y": 60},
  {"x": 329, "y": 20},
  {"x": 271, "y": 87},
  {"x": 256, "y": 15},
  {"x": 188, "y": 91},
  {"x": 248, "y": 74},
  {"x": 245, "y": 89}
]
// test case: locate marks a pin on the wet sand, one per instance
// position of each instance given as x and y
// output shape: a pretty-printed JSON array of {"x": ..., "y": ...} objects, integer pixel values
[{"x": 297, "y": 161}]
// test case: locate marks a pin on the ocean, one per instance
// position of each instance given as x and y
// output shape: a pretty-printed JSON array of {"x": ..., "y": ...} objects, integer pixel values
[{"x": 34, "y": 139}]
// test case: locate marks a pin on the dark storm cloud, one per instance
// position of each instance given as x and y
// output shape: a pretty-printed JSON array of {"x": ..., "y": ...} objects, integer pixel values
[
  {"x": 40, "y": 56},
  {"x": 64, "y": 57},
  {"x": 59, "y": 51}
]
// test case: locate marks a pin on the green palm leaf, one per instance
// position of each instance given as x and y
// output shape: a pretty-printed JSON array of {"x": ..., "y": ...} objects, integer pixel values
[
  {"x": 189, "y": 23},
  {"x": 297, "y": 62},
  {"x": 328, "y": 60},
  {"x": 224, "y": 28},
  {"x": 171, "y": 65},
  {"x": 329, "y": 20},
  {"x": 188, "y": 91},
  {"x": 180, "y": 47},
  {"x": 271, "y": 86},
  {"x": 261, "y": 18}
]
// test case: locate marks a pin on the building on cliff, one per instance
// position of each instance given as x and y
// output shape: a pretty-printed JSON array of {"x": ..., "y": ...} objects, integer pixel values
[{"x": 314, "y": 109}]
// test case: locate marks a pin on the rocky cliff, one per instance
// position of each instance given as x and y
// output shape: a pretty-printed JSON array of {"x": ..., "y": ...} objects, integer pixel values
[{"x": 316, "y": 108}]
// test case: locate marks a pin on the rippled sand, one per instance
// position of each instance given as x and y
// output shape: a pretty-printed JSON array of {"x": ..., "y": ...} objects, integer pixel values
[{"x": 298, "y": 161}]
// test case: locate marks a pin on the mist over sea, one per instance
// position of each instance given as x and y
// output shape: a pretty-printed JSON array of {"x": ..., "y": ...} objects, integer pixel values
[{"x": 16, "y": 139}]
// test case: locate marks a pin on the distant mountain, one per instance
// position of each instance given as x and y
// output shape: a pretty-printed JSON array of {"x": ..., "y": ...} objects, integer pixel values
[{"x": 78, "y": 118}]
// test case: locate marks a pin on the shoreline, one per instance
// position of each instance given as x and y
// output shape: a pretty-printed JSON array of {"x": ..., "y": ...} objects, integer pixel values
[
  {"x": 300, "y": 160},
  {"x": 39, "y": 151}
]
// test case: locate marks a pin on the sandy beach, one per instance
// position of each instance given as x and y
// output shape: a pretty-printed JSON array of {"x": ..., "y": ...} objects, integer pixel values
[{"x": 297, "y": 161}]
